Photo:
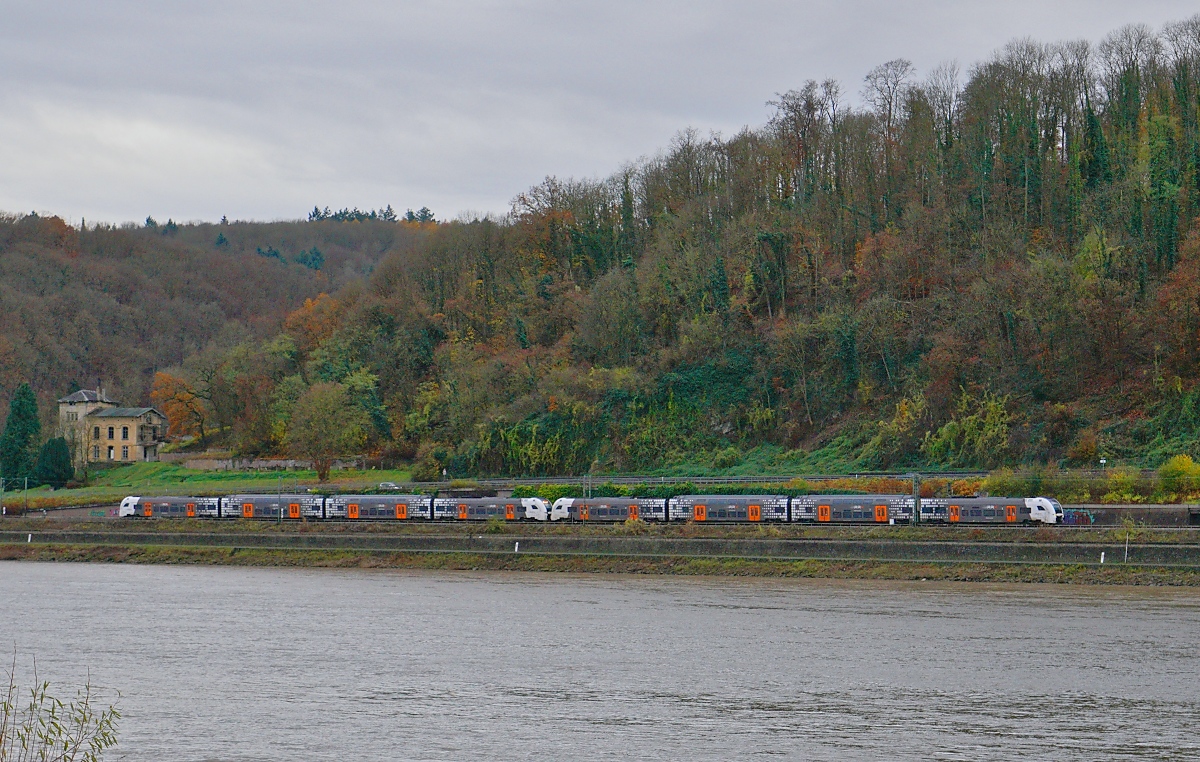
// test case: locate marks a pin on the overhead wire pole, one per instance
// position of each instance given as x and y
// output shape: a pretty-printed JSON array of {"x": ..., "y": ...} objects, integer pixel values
[{"x": 916, "y": 493}]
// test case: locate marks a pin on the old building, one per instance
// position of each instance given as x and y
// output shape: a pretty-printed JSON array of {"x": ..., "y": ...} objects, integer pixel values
[{"x": 99, "y": 430}]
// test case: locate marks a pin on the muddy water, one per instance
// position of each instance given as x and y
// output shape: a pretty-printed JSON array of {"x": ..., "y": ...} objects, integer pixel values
[{"x": 265, "y": 664}]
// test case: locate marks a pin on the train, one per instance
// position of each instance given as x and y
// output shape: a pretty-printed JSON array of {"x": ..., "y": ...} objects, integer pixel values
[{"x": 723, "y": 509}]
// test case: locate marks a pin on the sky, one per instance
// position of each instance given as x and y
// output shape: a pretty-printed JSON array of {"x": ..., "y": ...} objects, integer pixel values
[{"x": 260, "y": 110}]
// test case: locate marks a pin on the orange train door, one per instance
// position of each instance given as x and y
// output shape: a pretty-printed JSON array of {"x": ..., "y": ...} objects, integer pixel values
[
  {"x": 823, "y": 513},
  {"x": 754, "y": 513},
  {"x": 881, "y": 514},
  {"x": 247, "y": 510},
  {"x": 1010, "y": 513},
  {"x": 191, "y": 510},
  {"x": 293, "y": 510},
  {"x": 700, "y": 512},
  {"x": 147, "y": 509},
  {"x": 954, "y": 512},
  {"x": 510, "y": 512},
  {"x": 462, "y": 512},
  {"x": 352, "y": 511},
  {"x": 402, "y": 511},
  {"x": 583, "y": 513},
  {"x": 633, "y": 510}
]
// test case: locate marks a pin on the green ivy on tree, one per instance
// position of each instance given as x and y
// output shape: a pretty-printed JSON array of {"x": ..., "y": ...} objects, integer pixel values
[{"x": 53, "y": 465}]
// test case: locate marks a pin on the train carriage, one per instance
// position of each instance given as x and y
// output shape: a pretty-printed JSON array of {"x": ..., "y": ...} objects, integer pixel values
[
  {"x": 171, "y": 507},
  {"x": 293, "y": 507},
  {"x": 378, "y": 507},
  {"x": 729, "y": 508},
  {"x": 855, "y": 509},
  {"x": 991, "y": 510},
  {"x": 485, "y": 508},
  {"x": 609, "y": 509}
]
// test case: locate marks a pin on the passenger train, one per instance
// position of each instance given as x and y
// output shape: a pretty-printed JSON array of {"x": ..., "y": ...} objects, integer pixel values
[{"x": 816, "y": 509}]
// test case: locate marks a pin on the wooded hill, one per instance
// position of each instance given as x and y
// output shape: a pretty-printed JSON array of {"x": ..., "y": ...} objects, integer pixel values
[
  {"x": 116, "y": 305},
  {"x": 993, "y": 268}
]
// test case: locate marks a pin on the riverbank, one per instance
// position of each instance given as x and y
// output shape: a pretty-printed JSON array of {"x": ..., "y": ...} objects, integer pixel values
[
  {"x": 1109, "y": 574},
  {"x": 1040, "y": 557}
]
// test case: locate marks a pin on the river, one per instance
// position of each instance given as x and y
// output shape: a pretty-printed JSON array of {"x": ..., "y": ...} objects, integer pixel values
[{"x": 239, "y": 664}]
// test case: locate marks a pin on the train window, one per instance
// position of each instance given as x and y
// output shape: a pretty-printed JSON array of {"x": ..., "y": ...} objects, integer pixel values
[
  {"x": 721, "y": 513},
  {"x": 1024, "y": 510},
  {"x": 976, "y": 512},
  {"x": 989, "y": 513}
]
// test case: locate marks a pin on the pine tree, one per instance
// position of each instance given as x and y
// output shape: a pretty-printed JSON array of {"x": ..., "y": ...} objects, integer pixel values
[
  {"x": 54, "y": 464},
  {"x": 22, "y": 430}
]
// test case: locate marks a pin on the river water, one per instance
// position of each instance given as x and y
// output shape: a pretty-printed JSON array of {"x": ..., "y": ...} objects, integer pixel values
[{"x": 297, "y": 664}]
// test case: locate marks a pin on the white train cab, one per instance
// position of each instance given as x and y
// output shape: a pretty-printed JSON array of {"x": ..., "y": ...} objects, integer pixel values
[
  {"x": 128, "y": 507},
  {"x": 536, "y": 509},
  {"x": 1045, "y": 510},
  {"x": 561, "y": 508}
]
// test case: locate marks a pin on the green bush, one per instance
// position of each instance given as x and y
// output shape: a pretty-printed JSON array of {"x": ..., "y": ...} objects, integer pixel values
[{"x": 1179, "y": 476}]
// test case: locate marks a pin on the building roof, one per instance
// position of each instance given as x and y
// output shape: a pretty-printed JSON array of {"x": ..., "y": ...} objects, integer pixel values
[
  {"x": 122, "y": 412},
  {"x": 87, "y": 395}
]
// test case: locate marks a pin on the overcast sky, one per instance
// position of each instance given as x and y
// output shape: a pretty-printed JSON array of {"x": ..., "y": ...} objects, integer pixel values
[{"x": 118, "y": 109}]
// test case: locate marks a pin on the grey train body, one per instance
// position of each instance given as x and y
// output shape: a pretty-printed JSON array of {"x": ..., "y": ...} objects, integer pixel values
[{"x": 718, "y": 509}]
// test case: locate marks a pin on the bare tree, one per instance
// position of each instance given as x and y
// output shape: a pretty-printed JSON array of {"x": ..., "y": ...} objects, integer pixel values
[
  {"x": 884, "y": 89},
  {"x": 1133, "y": 47}
]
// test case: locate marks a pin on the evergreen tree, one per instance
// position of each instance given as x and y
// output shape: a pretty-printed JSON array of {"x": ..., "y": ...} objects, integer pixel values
[
  {"x": 54, "y": 464},
  {"x": 22, "y": 431}
]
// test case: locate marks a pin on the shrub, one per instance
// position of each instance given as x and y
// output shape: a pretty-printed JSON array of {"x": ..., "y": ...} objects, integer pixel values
[
  {"x": 1180, "y": 475},
  {"x": 727, "y": 458},
  {"x": 47, "y": 728}
]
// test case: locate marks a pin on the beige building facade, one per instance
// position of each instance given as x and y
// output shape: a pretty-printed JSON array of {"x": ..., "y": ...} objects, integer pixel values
[{"x": 99, "y": 430}]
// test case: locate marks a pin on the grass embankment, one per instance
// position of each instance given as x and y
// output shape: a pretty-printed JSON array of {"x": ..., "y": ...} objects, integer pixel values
[
  {"x": 733, "y": 567},
  {"x": 111, "y": 484}
]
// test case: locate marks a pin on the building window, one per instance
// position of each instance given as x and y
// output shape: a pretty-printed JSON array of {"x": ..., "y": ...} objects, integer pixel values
[
  {"x": 125, "y": 433},
  {"x": 96, "y": 432},
  {"x": 125, "y": 452},
  {"x": 110, "y": 452},
  {"x": 110, "y": 433},
  {"x": 95, "y": 452},
  {"x": 72, "y": 416}
]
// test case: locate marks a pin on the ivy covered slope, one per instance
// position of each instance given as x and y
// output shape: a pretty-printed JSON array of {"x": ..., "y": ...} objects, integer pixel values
[
  {"x": 978, "y": 269},
  {"x": 972, "y": 270}
]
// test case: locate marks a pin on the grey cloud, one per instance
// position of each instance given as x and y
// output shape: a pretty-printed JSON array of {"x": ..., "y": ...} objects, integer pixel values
[{"x": 116, "y": 110}]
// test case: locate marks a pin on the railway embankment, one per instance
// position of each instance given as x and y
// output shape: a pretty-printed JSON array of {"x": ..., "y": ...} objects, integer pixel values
[{"x": 1082, "y": 555}]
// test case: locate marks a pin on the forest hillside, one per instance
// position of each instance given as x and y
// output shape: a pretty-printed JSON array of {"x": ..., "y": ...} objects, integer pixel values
[
  {"x": 108, "y": 305},
  {"x": 951, "y": 269}
]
